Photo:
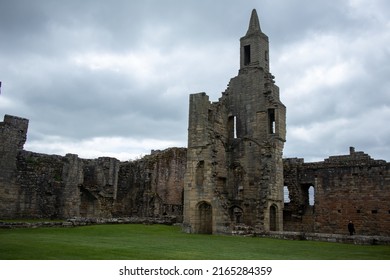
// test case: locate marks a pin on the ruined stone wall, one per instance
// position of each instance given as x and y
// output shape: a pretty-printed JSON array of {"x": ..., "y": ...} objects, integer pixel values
[
  {"x": 152, "y": 186},
  {"x": 34, "y": 185},
  {"x": 39, "y": 186},
  {"x": 349, "y": 187},
  {"x": 52, "y": 186},
  {"x": 13, "y": 133}
]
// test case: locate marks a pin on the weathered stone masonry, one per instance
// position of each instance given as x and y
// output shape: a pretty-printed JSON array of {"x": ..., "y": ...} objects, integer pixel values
[
  {"x": 234, "y": 173},
  {"x": 349, "y": 187},
  {"x": 13, "y": 133},
  {"x": 230, "y": 179},
  {"x": 50, "y": 186}
]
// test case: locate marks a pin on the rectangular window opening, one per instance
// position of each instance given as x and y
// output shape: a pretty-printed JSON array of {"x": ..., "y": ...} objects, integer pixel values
[
  {"x": 271, "y": 121},
  {"x": 235, "y": 127},
  {"x": 210, "y": 115},
  {"x": 232, "y": 127},
  {"x": 247, "y": 54}
]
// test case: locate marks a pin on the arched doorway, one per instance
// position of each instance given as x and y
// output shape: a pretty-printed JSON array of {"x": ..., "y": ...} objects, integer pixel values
[
  {"x": 205, "y": 218},
  {"x": 273, "y": 218}
]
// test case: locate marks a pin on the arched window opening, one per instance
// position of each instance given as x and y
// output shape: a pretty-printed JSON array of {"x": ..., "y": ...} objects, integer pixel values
[
  {"x": 311, "y": 194},
  {"x": 286, "y": 194}
]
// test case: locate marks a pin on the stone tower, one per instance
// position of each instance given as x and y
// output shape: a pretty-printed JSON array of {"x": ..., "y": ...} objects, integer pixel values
[{"x": 234, "y": 174}]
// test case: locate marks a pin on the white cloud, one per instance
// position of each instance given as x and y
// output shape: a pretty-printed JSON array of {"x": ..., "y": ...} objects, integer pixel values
[
  {"x": 7, "y": 103},
  {"x": 368, "y": 9},
  {"x": 153, "y": 66},
  {"x": 121, "y": 148},
  {"x": 124, "y": 71},
  {"x": 332, "y": 84},
  {"x": 319, "y": 61}
]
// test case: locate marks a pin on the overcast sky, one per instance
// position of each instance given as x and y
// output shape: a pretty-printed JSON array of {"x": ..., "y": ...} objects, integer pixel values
[{"x": 113, "y": 78}]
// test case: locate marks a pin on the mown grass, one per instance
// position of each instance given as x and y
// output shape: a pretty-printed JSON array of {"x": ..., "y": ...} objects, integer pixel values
[{"x": 155, "y": 242}]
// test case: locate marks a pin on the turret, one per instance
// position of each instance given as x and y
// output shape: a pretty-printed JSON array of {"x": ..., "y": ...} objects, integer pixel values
[{"x": 254, "y": 46}]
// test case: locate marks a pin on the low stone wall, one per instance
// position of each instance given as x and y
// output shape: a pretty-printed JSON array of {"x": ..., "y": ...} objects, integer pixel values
[
  {"x": 338, "y": 238},
  {"x": 75, "y": 222}
]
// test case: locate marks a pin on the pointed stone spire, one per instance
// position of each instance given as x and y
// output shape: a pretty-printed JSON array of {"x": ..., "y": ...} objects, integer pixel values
[{"x": 254, "y": 24}]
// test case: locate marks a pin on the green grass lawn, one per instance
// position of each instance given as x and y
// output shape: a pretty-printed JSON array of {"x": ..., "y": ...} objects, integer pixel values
[{"x": 145, "y": 242}]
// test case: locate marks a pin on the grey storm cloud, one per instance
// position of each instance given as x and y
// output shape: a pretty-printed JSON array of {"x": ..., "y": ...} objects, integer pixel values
[{"x": 112, "y": 78}]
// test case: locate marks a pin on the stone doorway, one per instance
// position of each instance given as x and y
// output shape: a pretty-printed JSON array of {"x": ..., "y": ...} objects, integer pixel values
[{"x": 205, "y": 218}]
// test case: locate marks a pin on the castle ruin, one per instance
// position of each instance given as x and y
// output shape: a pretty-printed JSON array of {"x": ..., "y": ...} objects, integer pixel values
[{"x": 231, "y": 176}]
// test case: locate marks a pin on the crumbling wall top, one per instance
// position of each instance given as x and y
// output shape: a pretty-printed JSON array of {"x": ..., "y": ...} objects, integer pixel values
[{"x": 13, "y": 132}]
